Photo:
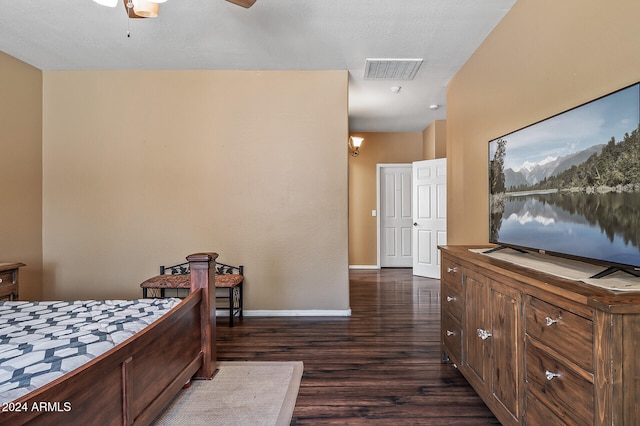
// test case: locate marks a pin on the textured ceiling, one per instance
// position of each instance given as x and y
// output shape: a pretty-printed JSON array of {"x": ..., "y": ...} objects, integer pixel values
[{"x": 271, "y": 35}]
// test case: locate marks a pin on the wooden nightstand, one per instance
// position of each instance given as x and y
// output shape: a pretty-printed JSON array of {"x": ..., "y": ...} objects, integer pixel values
[{"x": 9, "y": 280}]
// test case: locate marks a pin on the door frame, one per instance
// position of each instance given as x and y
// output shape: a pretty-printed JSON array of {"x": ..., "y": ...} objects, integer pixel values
[{"x": 379, "y": 166}]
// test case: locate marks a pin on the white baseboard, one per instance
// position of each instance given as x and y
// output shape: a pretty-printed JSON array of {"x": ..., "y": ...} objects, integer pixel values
[
  {"x": 364, "y": 267},
  {"x": 293, "y": 313}
]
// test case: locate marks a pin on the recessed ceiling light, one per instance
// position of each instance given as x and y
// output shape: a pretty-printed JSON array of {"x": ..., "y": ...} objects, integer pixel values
[
  {"x": 396, "y": 89},
  {"x": 434, "y": 107}
]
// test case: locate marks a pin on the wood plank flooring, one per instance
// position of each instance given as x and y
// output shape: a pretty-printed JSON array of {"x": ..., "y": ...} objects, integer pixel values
[{"x": 382, "y": 365}]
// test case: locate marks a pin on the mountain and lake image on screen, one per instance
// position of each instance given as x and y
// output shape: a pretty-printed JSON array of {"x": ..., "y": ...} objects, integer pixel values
[{"x": 570, "y": 184}]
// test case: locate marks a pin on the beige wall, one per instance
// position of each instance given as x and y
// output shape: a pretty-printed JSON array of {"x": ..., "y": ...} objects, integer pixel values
[
  {"x": 142, "y": 168},
  {"x": 434, "y": 139},
  {"x": 543, "y": 58},
  {"x": 388, "y": 148},
  {"x": 21, "y": 171},
  {"x": 113, "y": 153}
]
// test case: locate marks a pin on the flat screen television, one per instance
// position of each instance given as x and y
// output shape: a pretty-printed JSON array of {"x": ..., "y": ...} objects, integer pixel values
[{"x": 569, "y": 185}]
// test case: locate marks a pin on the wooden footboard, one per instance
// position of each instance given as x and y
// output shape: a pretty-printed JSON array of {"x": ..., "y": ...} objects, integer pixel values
[{"x": 133, "y": 382}]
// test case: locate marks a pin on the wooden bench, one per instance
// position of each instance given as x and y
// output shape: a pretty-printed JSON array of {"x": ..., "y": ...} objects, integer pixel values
[{"x": 176, "y": 279}]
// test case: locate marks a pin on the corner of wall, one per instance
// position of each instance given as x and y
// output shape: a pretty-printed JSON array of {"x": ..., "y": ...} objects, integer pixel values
[{"x": 434, "y": 140}]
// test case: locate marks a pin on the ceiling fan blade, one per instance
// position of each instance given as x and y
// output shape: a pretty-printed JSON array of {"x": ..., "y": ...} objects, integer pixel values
[{"x": 244, "y": 3}]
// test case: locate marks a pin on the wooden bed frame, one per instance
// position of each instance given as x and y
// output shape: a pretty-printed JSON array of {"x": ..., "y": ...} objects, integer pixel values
[{"x": 133, "y": 382}]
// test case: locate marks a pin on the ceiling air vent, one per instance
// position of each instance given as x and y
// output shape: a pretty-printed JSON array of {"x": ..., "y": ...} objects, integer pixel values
[{"x": 391, "y": 69}]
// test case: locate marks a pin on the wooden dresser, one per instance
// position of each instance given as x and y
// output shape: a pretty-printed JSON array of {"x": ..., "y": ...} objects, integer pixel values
[
  {"x": 537, "y": 348},
  {"x": 9, "y": 280}
]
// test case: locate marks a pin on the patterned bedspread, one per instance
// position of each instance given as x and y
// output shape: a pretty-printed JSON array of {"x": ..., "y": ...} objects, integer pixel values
[{"x": 41, "y": 341}]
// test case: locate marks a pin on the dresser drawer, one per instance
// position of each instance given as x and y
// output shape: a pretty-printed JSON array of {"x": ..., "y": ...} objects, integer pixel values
[
  {"x": 565, "y": 332},
  {"x": 554, "y": 384},
  {"x": 536, "y": 414},
  {"x": 6, "y": 278},
  {"x": 451, "y": 274},
  {"x": 451, "y": 338},
  {"x": 8, "y": 288},
  {"x": 451, "y": 300},
  {"x": 8, "y": 292}
]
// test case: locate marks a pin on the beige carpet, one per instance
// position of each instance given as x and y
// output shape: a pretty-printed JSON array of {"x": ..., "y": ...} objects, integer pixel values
[{"x": 240, "y": 394}]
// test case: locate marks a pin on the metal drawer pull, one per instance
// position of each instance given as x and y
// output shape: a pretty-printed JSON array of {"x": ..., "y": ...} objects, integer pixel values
[
  {"x": 484, "y": 334},
  {"x": 451, "y": 299},
  {"x": 550, "y": 321},
  {"x": 451, "y": 333},
  {"x": 550, "y": 376},
  {"x": 454, "y": 270}
]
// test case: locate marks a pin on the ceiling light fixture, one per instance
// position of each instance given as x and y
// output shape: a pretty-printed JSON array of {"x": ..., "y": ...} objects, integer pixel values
[
  {"x": 149, "y": 8},
  {"x": 108, "y": 3},
  {"x": 434, "y": 107},
  {"x": 142, "y": 8},
  {"x": 396, "y": 89},
  {"x": 354, "y": 145},
  {"x": 136, "y": 8}
]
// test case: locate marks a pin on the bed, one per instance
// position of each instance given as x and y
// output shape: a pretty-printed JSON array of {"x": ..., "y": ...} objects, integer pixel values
[{"x": 134, "y": 381}]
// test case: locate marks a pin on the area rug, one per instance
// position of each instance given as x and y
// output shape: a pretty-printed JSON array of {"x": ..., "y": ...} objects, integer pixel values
[{"x": 240, "y": 394}]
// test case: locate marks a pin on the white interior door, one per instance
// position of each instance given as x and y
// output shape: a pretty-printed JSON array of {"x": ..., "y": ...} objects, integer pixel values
[
  {"x": 395, "y": 214},
  {"x": 429, "y": 215}
]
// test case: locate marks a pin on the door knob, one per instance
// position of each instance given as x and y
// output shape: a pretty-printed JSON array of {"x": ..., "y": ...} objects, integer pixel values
[{"x": 415, "y": 223}]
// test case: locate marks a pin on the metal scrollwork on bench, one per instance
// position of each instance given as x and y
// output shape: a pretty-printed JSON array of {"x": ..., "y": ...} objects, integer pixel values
[
  {"x": 183, "y": 268},
  {"x": 179, "y": 269},
  {"x": 227, "y": 277}
]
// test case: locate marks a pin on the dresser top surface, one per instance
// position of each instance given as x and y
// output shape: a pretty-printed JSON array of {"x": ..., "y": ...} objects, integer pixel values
[
  {"x": 7, "y": 266},
  {"x": 595, "y": 296}
]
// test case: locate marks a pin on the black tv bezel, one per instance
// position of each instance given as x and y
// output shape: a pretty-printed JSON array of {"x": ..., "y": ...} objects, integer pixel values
[{"x": 611, "y": 266}]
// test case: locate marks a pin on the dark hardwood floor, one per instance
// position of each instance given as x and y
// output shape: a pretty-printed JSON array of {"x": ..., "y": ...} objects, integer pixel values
[{"x": 382, "y": 365}]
